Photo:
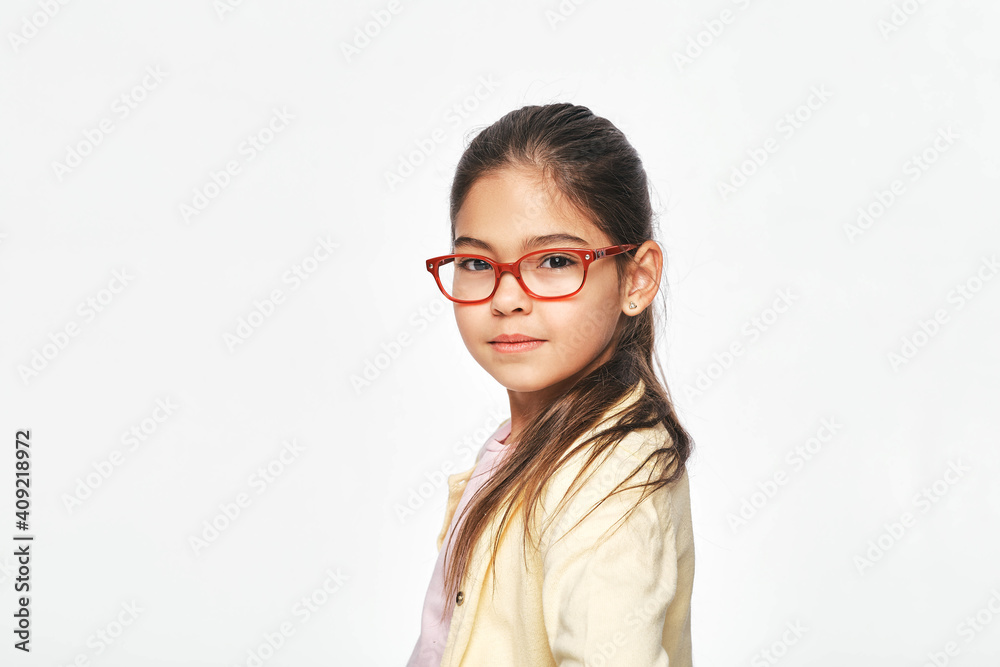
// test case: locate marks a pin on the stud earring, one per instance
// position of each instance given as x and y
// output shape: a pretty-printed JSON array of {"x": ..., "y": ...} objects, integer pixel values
[{"x": 631, "y": 305}]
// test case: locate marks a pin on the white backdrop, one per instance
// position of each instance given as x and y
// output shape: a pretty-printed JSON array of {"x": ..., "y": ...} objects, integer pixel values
[{"x": 244, "y": 391}]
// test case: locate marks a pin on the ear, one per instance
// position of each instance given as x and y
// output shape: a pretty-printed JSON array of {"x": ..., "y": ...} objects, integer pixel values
[{"x": 642, "y": 278}]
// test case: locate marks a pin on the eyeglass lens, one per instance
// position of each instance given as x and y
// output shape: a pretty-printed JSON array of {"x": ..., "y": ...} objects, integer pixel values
[{"x": 545, "y": 274}]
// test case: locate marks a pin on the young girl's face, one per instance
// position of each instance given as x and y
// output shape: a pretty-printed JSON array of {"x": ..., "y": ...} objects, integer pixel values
[{"x": 504, "y": 217}]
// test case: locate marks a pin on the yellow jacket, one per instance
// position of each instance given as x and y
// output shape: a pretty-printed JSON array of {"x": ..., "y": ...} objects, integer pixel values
[{"x": 621, "y": 601}]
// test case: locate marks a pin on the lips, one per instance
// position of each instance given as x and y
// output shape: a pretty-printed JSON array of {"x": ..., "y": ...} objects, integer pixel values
[
  {"x": 515, "y": 343},
  {"x": 513, "y": 338}
]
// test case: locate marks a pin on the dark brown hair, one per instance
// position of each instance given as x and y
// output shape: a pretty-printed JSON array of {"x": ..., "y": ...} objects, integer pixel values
[{"x": 592, "y": 165}]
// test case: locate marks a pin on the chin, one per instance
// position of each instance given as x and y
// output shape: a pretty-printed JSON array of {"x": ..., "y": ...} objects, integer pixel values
[{"x": 514, "y": 382}]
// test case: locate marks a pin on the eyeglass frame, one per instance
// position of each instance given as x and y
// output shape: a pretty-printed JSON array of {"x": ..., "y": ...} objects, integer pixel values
[{"x": 587, "y": 257}]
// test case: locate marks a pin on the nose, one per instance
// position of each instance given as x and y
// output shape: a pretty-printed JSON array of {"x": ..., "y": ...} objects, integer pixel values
[{"x": 509, "y": 295}]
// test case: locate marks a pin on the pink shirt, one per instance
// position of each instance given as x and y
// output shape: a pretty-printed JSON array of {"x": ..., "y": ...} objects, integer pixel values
[{"x": 434, "y": 632}]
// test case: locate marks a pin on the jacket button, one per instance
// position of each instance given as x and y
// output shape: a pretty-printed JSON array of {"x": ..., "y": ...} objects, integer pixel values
[{"x": 460, "y": 598}]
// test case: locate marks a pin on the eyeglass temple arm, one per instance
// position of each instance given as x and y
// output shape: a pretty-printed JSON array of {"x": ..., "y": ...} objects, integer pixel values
[{"x": 613, "y": 250}]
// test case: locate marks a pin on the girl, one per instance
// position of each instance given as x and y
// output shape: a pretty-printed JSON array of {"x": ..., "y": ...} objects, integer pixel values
[{"x": 569, "y": 542}]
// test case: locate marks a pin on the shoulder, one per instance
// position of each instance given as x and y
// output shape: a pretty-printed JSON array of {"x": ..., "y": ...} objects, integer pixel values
[
  {"x": 636, "y": 452},
  {"x": 614, "y": 480},
  {"x": 619, "y": 567}
]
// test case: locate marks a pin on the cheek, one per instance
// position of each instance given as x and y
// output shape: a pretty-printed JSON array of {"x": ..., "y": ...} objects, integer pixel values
[
  {"x": 603, "y": 301},
  {"x": 606, "y": 288},
  {"x": 580, "y": 330},
  {"x": 598, "y": 316},
  {"x": 462, "y": 319},
  {"x": 471, "y": 322}
]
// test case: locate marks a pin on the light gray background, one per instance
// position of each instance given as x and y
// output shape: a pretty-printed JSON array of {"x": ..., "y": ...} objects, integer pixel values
[{"x": 368, "y": 451}]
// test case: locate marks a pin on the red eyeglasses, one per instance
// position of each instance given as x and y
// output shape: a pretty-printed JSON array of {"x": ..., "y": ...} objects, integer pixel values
[{"x": 551, "y": 274}]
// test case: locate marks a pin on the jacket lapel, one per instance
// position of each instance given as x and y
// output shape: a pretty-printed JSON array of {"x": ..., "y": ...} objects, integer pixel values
[{"x": 456, "y": 487}]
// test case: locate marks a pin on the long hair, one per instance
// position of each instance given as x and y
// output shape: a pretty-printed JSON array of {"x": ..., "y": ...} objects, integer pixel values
[{"x": 592, "y": 165}]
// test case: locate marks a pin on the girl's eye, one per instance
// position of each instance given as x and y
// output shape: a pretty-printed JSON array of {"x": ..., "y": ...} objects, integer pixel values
[
  {"x": 473, "y": 264},
  {"x": 556, "y": 262}
]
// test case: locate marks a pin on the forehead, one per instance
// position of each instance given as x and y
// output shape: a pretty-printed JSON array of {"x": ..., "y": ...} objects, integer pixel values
[{"x": 514, "y": 210}]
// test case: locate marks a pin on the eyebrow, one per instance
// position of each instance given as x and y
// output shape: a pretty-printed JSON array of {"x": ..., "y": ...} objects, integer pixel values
[{"x": 535, "y": 241}]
